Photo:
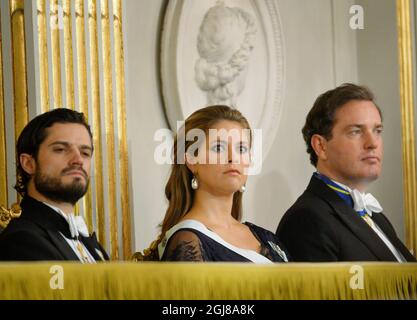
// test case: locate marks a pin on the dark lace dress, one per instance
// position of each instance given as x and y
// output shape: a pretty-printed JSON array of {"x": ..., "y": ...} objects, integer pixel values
[{"x": 189, "y": 244}]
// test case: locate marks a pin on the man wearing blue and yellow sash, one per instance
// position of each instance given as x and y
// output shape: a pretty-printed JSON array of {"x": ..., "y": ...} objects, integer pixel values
[{"x": 335, "y": 219}]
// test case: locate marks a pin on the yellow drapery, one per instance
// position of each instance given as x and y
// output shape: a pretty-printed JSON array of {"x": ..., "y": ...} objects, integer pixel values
[{"x": 211, "y": 281}]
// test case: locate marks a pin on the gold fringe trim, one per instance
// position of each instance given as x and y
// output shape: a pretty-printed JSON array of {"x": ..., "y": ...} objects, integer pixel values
[{"x": 221, "y": 281}]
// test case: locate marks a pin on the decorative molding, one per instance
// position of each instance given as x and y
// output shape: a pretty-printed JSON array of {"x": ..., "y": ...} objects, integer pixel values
[
  {"x": 6, "y": 215},
  {"x": 261, "y": 96},
  {"x": 405, "y": 53}
]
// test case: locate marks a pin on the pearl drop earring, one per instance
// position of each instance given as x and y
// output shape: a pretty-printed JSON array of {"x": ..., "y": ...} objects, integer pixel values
[{"x": 194, "y": 183}]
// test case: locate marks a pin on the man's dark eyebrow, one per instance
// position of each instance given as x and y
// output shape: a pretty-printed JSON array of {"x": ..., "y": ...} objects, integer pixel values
[
  {"x": 59, "y": 142},
  {"x": 353, "y": 126},
  {"x": 84, "y": 146},
  {"x": 361, "y": 126},
  {"x": 66, "y": 144}
]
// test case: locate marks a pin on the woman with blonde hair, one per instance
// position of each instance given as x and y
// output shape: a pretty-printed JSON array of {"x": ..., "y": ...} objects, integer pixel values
[{"x": 204, "y": 190}]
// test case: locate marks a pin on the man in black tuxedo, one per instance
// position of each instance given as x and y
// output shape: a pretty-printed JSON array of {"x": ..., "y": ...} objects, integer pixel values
[
  {"x": 54, "y": 154},
  {"x": 334, "y": 219}
]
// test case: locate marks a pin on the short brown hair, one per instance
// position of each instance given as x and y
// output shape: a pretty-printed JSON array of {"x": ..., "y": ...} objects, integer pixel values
[{"x": 321, "y": 118}]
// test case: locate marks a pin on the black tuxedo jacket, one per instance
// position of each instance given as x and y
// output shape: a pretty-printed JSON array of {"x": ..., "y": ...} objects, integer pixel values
[
  {"x": 36, "y": 236},
  {"x": 320, "y": 226}
]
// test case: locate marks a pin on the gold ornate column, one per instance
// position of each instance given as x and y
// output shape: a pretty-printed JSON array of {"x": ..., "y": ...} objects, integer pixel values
[
  {"x": 407, "y": 121},
  {"x": 56, "y": 54},
  {"x": 95, "y": 106},
  {"x": 81, "y": 56},
  {"x": 68, "y": 54},
  {"x": 20, "y": 92},
  {"x": 82, "y": 93},
  {"x": 109, "y": 126},
  {"x": 43, "y": 55},
  {"x": 121, "y": 117},
  {"x": 3, "y": 155}
]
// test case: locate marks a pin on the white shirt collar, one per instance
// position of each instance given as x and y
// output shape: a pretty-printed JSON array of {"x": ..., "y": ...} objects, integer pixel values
[
  {"x": 76, "y": 224},
  {"x": 358, "y": 194},
  {"x": 338, "y": 183},
  {"x": 58, "y": 210}
]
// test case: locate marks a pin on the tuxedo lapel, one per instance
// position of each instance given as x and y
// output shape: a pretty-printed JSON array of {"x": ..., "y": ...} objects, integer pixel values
[
  {"x": 94, "y": 247},
  {"x": 52, "y": 223},
  {"x": 390, "y": 233},
  {"x": 352, "y": 220},
  {"x": 62, "y": 245}
]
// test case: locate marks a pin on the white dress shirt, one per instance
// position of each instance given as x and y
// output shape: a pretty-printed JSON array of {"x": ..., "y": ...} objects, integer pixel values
[{"x": 76, "y": 227}]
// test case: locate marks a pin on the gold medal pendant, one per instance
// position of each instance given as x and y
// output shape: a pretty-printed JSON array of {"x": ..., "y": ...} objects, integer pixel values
[{"x": 82, "y": 252}]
